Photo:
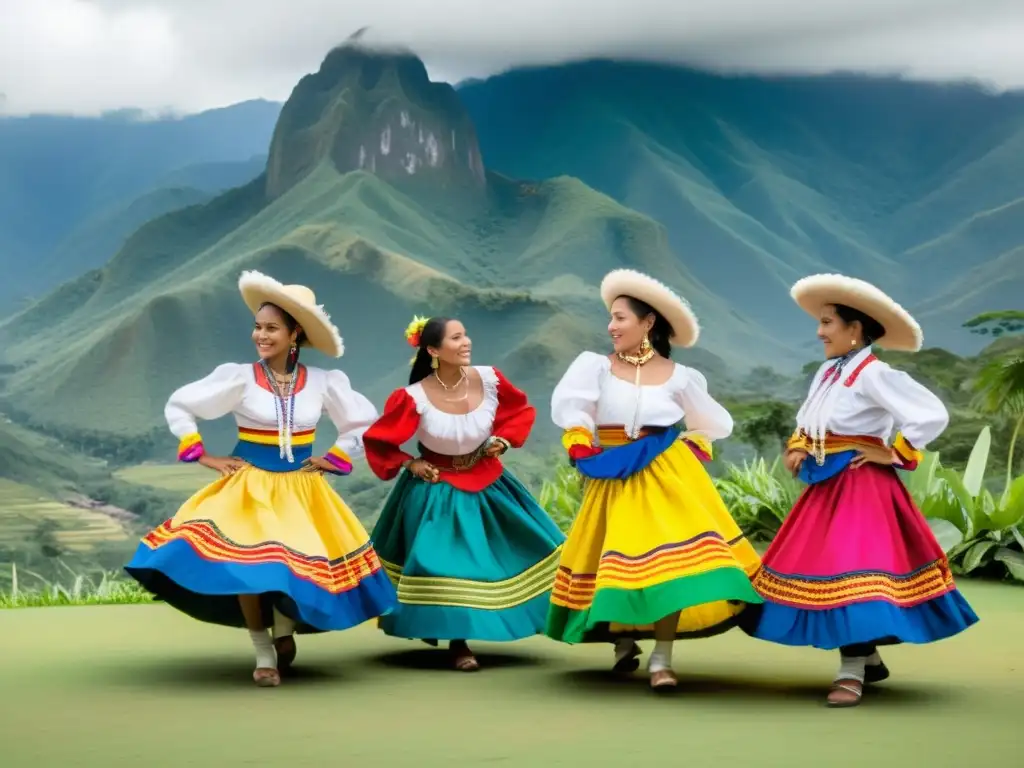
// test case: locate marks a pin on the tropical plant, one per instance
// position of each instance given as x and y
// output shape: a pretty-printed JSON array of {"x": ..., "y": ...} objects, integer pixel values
[
  {"x": 999, "y": 389},
  {"x": 997, "y": 323},
  {"x": 992, "y": 540},
  {"x": 759, "y": 496},
  {"x": 561, "y": 495}
]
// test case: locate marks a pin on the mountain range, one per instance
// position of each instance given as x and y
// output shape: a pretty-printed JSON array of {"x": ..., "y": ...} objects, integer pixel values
[
  {"x": 72, "y": 189},
  {"x": 504, "y": 202}
]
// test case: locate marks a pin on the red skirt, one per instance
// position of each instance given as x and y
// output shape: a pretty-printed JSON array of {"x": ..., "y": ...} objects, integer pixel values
[{"x": 856, "y": 562}]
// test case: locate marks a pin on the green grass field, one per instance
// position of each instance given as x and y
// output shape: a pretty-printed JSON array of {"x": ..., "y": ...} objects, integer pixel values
[
  {"x": 178, "y": 478},
  {"x": 144, "y": 685}
]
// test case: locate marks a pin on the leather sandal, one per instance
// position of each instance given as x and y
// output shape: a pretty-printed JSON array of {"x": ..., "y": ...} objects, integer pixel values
[
  {"x": 464, "y": 661},
  {"x": 664, "y": 680},
  {"x": 266, "y": 677},
  {"x": 286, "y": 650},
  {"x": 845, "y": 693}
]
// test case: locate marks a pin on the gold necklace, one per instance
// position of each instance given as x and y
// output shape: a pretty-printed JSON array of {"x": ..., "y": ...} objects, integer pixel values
[
  {"x": 462, "y": 378},
  {"x": 644, "y": 355}
]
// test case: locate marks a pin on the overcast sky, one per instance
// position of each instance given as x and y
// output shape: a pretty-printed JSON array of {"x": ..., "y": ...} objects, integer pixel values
[{"x": 86, "y": 56}]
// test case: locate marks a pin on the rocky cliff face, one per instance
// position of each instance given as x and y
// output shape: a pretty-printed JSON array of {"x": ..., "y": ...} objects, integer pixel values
[{"x": 375, "y": 111}]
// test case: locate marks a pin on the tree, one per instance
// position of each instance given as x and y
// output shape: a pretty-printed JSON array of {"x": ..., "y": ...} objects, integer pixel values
[
  {"x": 996, "y": 323},
  {"x": 999, "y": 390},
  {"x": 772, "y": 425}
]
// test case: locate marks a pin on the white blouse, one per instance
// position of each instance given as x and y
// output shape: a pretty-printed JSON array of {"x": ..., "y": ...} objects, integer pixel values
[
  {"x": 878, "y": 400},
  {"x": 452, "y": 434},
  {"x": 232, "y": 388},
  {"x": 589, "y": 394}
]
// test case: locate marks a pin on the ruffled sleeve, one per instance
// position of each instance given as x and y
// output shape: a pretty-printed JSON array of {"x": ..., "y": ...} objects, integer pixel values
[
  {"x": 383, "y": 441},
  {"x": 574, "y": 404},
  {"x": 209, "y": 398},
  {"x": 705, "y": 418},
  {"x": 514, "y": 418},
  {"x": 919, "y": 415},
  {"x": 352, "y": 414}
]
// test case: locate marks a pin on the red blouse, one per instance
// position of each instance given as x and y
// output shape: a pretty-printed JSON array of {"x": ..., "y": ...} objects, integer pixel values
[{"x": 513, "y": 421}]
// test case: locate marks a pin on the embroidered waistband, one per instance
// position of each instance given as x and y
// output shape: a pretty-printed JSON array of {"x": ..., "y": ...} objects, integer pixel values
[
  {"x": 615, "y": 434},
  {"x": 270, "y": 436},
  {"x": 460, "y": 463}
]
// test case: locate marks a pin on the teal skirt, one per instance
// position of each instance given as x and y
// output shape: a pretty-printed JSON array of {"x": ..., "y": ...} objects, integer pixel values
[{"x": 467, "y": 566}]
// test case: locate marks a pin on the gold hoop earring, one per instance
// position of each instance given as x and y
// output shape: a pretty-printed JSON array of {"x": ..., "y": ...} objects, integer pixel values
[{"x": 645, "y": 345}]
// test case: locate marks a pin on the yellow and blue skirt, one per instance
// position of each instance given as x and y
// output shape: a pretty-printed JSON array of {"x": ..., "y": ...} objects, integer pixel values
[
  {"x": 652, "y": 537},
  {"x": 272, "y": 529}
]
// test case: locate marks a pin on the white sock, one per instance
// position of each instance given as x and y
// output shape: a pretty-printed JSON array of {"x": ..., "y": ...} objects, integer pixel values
[
  {"x": 266, "y": 657},
  {"x": 661, "y": 657},
  {"x": 874, "y": 659},
  {"x": 623, "y": 648},
  {"x": 851, "y": 668},
  {"x": 283, "y": 626}
]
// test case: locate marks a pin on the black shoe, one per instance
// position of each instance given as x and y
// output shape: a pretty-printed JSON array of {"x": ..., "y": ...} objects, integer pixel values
[{"x": 875, "y": 673}]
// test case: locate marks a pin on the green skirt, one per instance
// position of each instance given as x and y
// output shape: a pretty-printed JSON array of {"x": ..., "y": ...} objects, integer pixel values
[{"x": 467, "y": 566}]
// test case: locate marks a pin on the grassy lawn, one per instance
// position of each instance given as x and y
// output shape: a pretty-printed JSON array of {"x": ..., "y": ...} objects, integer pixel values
[{"x": 142, "y": 685}]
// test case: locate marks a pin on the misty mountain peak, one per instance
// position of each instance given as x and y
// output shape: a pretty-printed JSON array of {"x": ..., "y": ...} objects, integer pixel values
[{"x": 374, "y": 109}]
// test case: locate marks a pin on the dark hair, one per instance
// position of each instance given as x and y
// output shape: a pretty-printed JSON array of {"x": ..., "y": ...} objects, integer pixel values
[
  {"x": 431, "y": 336},
  {"x": 873, "y": 329},
  {"x": 291, "y": 324},
  {"x": 660, "y": 333}
]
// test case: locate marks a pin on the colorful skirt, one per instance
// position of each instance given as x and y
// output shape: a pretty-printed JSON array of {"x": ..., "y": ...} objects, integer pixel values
[
  {"x": 644, "y": 546},
  {"x": 467, "y": 565},
  {"x": 856, "y": 563},
  {"x": 284, "y": 535}
]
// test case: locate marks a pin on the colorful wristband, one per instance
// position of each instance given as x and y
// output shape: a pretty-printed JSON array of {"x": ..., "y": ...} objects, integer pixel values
[
  {"x": 190, "y": 449},
  {"x": 339, "y": 460}
]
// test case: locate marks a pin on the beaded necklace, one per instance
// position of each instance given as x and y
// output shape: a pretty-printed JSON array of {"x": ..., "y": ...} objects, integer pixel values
[
  {"x": 816, "y": 409},
  {"x": 284, "y": 410}
]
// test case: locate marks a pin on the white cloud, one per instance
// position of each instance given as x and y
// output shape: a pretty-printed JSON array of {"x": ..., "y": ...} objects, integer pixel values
[{"x": 86, "y": 56}]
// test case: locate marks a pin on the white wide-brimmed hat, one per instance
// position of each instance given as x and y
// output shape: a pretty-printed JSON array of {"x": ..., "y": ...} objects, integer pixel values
[
  {"x": 299, "y": 302},
  {"x": 629, "y": 282},
  {"x": 902, "y": 333}
]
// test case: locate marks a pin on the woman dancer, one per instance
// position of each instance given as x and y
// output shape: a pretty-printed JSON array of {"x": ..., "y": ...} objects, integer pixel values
[
  {"x": 470, "y": 551},
  {"x": 270, "y": 541},
  {"x": 855, "y": 564},
  {"x": 653, "y": 550}
]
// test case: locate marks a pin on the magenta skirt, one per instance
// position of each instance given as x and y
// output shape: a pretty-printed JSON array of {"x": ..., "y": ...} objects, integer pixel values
[{"x": 855, "y": 562}]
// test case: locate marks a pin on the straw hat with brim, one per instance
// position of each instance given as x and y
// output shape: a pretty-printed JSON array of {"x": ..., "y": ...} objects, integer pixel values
[
  {"x": 628, "y": 282},
  {"x": 814, "y": 293},
  {"x": 299, "y": 302}
]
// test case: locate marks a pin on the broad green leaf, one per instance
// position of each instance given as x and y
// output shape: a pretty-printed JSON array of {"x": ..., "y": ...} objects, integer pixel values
[
  {"x": 975, "y": 556},
  {"x": 1013, "y": 560},
  {"x": 943, "y": 505},
  {"x": 1011, "y": 512},
  {"x": 978, "y": 522},
  {"x": 1018, "y": 536},
  {"x": 946, "y": 533},
  {"x": 921, "y": 482},
  {"x": 974, "y": 473}
]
